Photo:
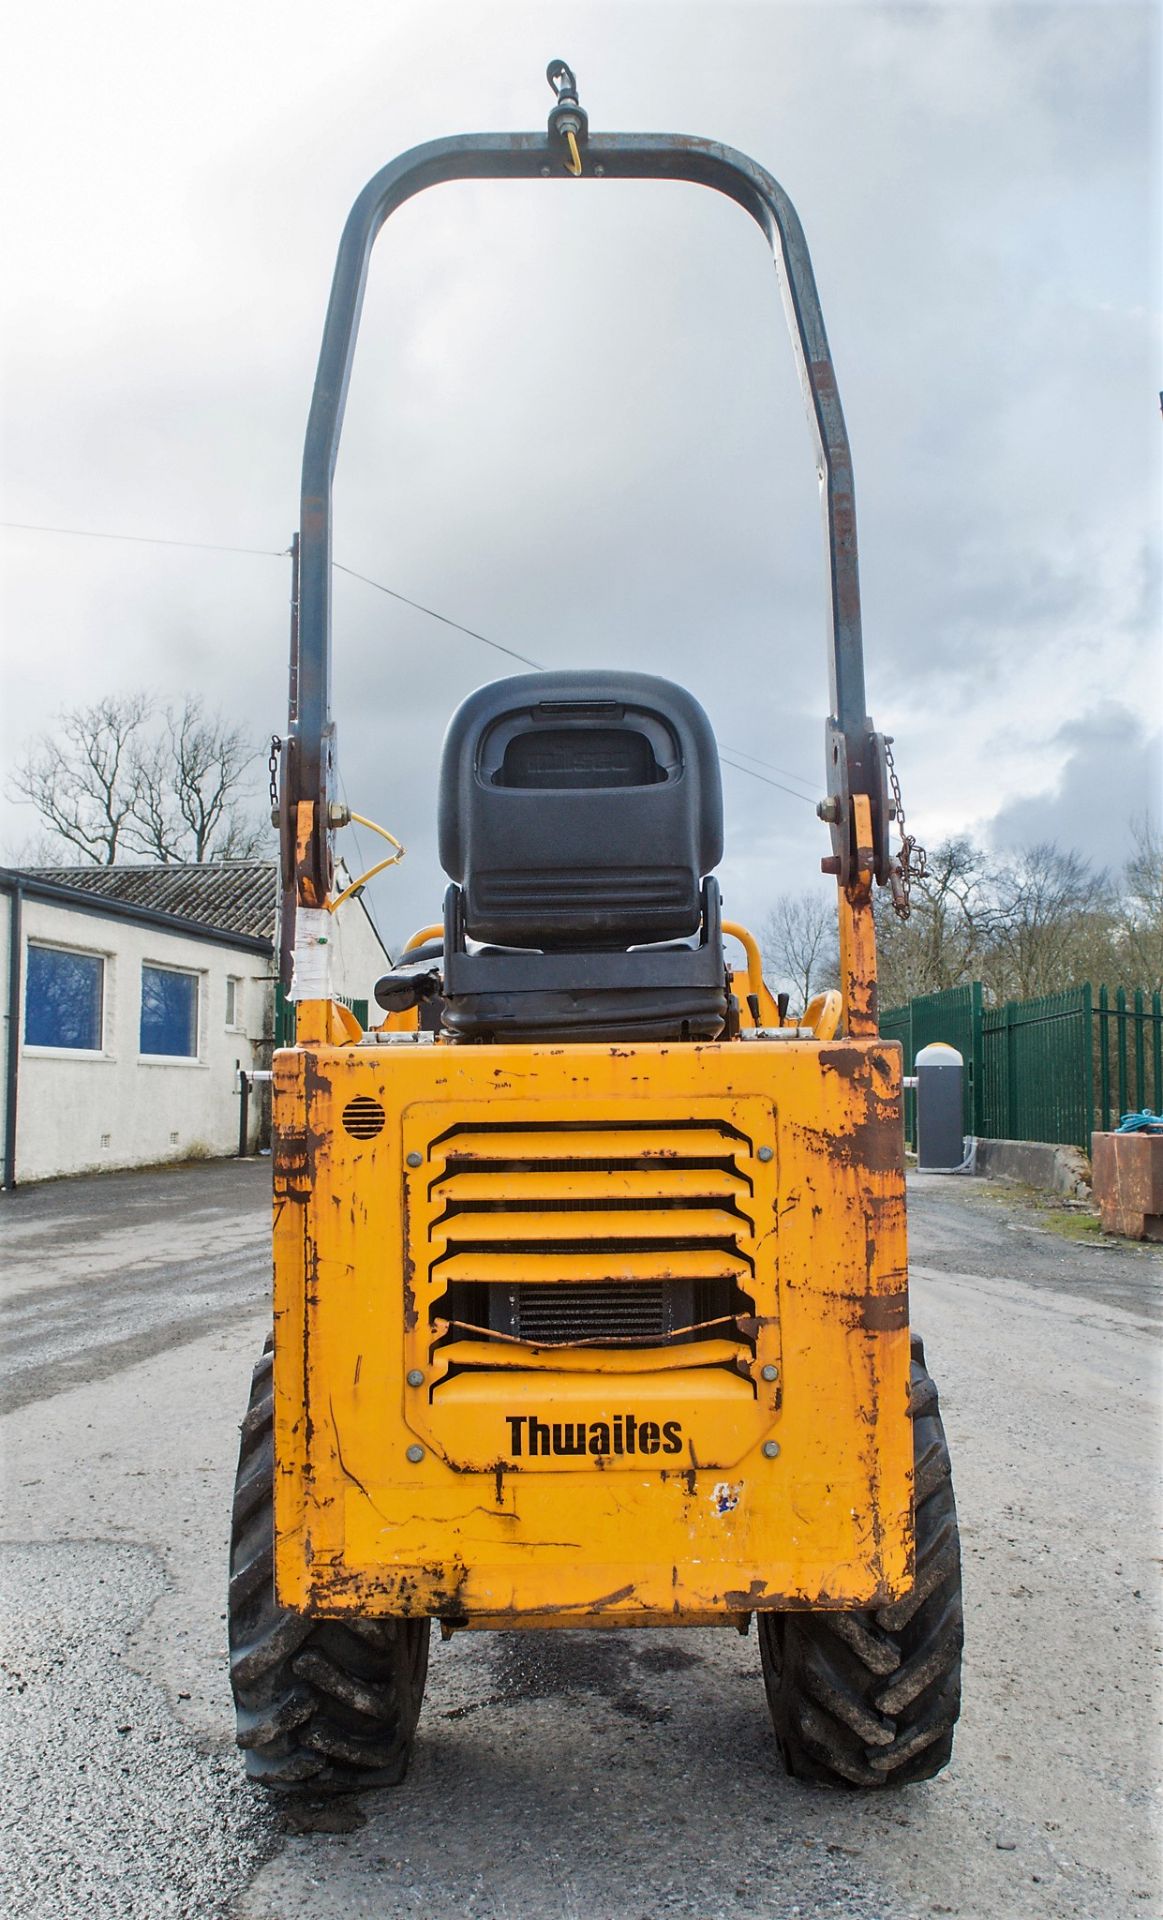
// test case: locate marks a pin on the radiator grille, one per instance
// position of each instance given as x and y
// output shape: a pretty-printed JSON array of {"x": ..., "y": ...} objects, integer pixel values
[
  {"x": 632, "y": 1234},
  {"x": 635, "y": 1310}
]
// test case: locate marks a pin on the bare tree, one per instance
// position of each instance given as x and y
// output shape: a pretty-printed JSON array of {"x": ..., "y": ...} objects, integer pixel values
[
  {"x": 1051, "y": 925},
  {"x": 942, "y": 942},
  {"x": 798, "y": 941},
  {"x": 1140, "y": 915},
  {"x": 37, "y": 849},
  {"x": 124, "y": 778},
  {"x": 190, "y": 781},
  {"x": 83, "y": 779}
]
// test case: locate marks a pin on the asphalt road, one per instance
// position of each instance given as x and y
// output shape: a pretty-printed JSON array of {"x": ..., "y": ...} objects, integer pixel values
[{"x": 598, "y": 1777}]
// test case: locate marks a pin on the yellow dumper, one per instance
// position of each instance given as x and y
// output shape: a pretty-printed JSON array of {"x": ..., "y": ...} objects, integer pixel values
[{"x": 590, "y": 1278}]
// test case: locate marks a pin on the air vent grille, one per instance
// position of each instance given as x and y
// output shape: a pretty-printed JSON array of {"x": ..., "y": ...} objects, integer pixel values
[
  {"x": 627, "y": 1233},
  {"x": 363, "y": 1117}
]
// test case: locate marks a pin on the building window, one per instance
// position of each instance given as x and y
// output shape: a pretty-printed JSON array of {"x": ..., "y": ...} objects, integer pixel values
[
  {"x": 64, "y": 999},
  {"x": 232, "y": 1001},
  {"x": 169, "y": 1012}
]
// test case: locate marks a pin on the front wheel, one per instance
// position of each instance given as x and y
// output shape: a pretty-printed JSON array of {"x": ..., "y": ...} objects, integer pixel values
[
  {"x": 871, "y": 1699},
  {"x": 321, "y": 1705}
]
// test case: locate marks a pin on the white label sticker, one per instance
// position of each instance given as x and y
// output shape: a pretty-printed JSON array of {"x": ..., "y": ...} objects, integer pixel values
[{"x": 311, "y": 974}]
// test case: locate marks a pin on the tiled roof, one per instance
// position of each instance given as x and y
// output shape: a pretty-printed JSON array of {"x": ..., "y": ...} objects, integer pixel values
[{"x": 232, "y": 896}]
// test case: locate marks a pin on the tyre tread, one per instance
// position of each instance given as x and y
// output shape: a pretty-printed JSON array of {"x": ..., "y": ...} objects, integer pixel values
[
  {"x": 869, "y": 1700},
  {"x": 321, "y": 1705}
]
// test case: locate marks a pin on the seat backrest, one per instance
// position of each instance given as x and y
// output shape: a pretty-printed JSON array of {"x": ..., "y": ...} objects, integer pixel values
[{"x": 580, "y": 810}]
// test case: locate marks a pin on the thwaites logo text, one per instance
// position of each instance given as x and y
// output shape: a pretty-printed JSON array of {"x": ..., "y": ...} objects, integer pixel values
[{"x": 530, "y": 1438}]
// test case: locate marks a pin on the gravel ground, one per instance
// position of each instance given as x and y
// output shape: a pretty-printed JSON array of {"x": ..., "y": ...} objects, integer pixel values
[
  {"x": 599, "y": 1776},
  {"x": 94, "y": 1283},
  {"x": 108, "y": 1808}
]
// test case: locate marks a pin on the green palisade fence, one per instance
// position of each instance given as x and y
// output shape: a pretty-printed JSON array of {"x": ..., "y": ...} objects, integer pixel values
[
  {"x": 1055, "y": 1069},
  {"x": 1128, "y": 1055},
  {"x": 897, "y": 1024},
  {"x": 285, "y": 1015},
  {"x": 953, "y": 1017},
  {"x": 1038, "y": 1069}
]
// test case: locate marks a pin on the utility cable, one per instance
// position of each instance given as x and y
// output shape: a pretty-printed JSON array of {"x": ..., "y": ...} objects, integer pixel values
[
  {"x": 771, "y": 768},
  {"x": 147, "y": 540},
  {"x": 433, "y": 615},
  {"x": 274, "y": 553},
  {"x": 740, "y": 768},
  {"x": 539, "y": 667}
]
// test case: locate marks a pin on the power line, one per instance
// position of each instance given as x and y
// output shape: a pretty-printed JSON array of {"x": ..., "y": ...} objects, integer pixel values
[
  {"x": 273, "y": 553},
  {"x": 146, "y": 540},
  {"x": 524, "y": 657},
  {"x": 539, "y": 666},
  {"x": 442, "y": 617},
  {"x": 786, "y": 771},
  {"x": 740, "y": 768}
]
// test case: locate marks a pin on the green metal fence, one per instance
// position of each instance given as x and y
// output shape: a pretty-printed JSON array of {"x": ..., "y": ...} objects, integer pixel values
[
  {"x": 953, "y": 1017},
  {"x": 1038, "y": 1081},
  {"x": 285, "y": 1015},
  {"x": 1128, "y": 1055},
  {"x": 1056, "y": 1069}
]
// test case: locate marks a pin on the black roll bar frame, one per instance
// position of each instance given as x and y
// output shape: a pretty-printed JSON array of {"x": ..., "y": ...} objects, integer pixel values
[{"x": 855, "y": 752}]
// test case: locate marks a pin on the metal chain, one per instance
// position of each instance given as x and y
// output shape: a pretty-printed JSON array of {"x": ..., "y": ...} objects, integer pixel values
[
  {"x": 912, "y": 861},
  {"x": 273, "y": 770}
]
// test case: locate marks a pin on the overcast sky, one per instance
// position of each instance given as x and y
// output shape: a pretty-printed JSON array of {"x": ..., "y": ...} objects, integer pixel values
[{"x": 574, "y": 422}]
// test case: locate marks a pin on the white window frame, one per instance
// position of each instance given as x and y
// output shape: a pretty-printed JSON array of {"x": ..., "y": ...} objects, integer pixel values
[
  {"x": 40, "y": 1049},
  {"x": 198, "y": 975}
]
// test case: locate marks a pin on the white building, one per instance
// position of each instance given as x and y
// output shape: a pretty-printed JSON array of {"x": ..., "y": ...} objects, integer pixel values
[{"x": 133, "y": 995}]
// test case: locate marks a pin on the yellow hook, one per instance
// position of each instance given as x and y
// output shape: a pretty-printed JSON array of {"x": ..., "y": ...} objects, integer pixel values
[{"x": 573, "y": 164}]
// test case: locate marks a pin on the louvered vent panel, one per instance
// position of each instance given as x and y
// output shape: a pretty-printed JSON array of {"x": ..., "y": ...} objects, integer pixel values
[{"x": 593, "y": 1232}]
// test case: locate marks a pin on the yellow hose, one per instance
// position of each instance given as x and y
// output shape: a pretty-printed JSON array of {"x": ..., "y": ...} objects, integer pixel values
[{"x": 392, "y": 861}]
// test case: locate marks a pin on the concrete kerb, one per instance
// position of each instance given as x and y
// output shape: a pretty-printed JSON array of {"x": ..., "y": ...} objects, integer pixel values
[{"x": 1036, "y": 1163}]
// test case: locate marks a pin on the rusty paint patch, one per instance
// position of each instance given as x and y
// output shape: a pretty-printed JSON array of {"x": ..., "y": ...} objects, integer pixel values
[
  {"x": 611, "y": 1599},
  {"x": 884, "y": 1312},
  {"x": 742, "y": 1601},
  {"x": 291, "y": 1174}
]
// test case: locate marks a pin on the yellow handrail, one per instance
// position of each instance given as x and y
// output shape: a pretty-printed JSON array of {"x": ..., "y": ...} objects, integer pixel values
[
  {"x": 425, "y": 933},
  {"x": 750, "y": 946}
]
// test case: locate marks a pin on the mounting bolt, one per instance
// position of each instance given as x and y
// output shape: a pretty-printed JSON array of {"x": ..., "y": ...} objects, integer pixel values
[
  {"x": 770, "y": 1450},
  {"x": 337, "y": 816},
  {"x": 415, "y": 1159},
  {"x": 829, "y": 810},
  {"x": 765, "y": 1154},
  {"x": 416, "y": 1454},
  {"x": 831, "y": 864},
  {"x": 770, "y": 1373},
  {"x": 415, "y": 1379}
]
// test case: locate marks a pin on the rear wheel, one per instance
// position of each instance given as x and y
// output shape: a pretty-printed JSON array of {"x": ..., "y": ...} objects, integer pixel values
[
  {"x": 321, "y": 1705},
  {"x": 871, "y": 1699}
]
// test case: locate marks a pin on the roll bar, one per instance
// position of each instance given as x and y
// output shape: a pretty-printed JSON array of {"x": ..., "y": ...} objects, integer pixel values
[{"x": 855, "y": 752}]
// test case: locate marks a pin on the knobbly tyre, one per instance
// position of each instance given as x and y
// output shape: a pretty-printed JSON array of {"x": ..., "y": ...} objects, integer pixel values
[{"x": 590, "y": 1292}]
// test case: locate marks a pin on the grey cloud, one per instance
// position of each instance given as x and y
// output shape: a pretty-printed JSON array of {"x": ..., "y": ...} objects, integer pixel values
[{"x": 1112, "y": 771}]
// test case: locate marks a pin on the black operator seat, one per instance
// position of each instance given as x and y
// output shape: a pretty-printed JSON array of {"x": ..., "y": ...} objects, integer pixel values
[{"x": 580, "y": 815}]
